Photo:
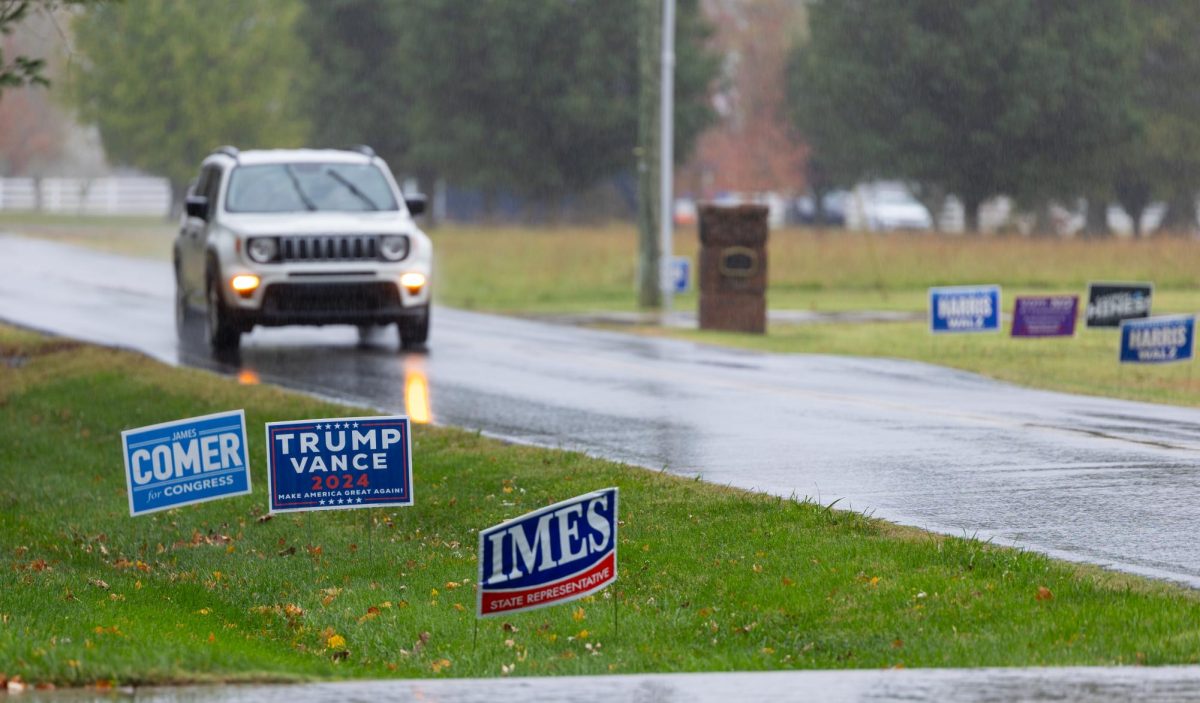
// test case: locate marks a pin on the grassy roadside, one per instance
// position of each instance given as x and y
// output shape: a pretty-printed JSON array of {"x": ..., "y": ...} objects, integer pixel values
[
  {"x": 534, "y": 271},
  {"x": 711, "y": 578}
]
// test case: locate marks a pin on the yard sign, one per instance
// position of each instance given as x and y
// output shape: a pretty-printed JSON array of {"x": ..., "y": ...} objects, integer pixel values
[
  {"x": 553, "y": 555},
  {"x": 339, "y": 463},
  {"x": 186, "y": 461}
]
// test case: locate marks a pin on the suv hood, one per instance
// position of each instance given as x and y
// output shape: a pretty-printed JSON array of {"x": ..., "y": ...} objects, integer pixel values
[{"x": 391, "y": 222}]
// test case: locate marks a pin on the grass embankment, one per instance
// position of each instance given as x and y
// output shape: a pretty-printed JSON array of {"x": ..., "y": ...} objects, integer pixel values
[
  {"x": 710, "y": 578},
  {"x": 523, "y": 270}
]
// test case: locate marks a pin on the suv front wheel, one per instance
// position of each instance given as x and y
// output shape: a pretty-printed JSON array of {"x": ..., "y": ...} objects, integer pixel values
[
  {"x": 223, "y": 331},
  {"x": 414, "y": 331}
]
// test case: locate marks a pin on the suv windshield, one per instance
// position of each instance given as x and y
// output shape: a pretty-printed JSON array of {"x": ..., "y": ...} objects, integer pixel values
[{"x": 300, "y": 187}]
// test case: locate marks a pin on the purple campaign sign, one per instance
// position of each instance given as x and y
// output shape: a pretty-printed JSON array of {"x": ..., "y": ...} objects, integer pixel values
[{"x": 1045, "y": 316}]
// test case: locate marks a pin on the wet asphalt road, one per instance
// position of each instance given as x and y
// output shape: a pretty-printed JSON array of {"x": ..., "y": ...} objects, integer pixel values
[
  {"x": 962, "y": 685},
  {"x": 1105, "y": 481}
]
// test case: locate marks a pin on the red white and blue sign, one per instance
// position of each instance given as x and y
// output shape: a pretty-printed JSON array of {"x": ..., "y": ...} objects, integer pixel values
[
  {"x": 186, "y": 461},
  {"x": 1156, "y": 340},
  {"x": 964, "y": 309},
  {"x": 557, "y": 554},
  {"x": 339, "y": 463},
  {"x": 1045, "y": 316}
]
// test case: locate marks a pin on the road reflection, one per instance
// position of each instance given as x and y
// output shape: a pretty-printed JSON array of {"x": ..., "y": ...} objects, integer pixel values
[{"x": 416, "y": 390}]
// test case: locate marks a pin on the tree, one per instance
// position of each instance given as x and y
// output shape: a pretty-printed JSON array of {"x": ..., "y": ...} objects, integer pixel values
[
  {"x": 21, "y": 69},
  {"x": 979, "y": 99},
  {"x": 361, "y": 88},
  {"x": 166, "y": 81},
  {"x": 537, "y": 99}
]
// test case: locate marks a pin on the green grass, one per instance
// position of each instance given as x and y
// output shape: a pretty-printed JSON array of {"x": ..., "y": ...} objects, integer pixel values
[
  {"x": 147, "y": 237},
  {"x": 711, "y": 578}
]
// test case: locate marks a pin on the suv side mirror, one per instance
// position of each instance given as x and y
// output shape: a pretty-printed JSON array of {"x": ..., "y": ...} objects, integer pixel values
[
  {"x": 415, "y": 204},
  {"x": 196, "y": 206}
]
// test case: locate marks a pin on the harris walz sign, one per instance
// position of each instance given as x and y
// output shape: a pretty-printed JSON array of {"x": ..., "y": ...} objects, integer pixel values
[
  {"x": 964, "y": 309},
  {"x": 339, "y": 463},
  {"x": 1156, "y": 340},
  {"x": 1110, "y": 303},
  {"x": 553, "y": 555}
]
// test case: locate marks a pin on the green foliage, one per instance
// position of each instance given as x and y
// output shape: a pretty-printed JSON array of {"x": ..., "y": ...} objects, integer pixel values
[
  {"x": 538, "y": 99},
  {"x": 1015, "y": 97},
  {"x": 22, "y": 70},
  {"x": 166, "y": 81},
  {"x": 359, "y": 94}
]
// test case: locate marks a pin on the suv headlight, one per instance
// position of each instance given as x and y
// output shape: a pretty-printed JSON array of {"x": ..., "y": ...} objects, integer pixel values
[
  {"x": 263, "y": 249},
  {"x": 393, "y": 247}
]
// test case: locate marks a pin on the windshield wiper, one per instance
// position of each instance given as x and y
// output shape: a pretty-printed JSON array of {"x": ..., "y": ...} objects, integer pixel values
[
  {"x": 352, "y": 188},
  {"x": 308, "y": 203}
]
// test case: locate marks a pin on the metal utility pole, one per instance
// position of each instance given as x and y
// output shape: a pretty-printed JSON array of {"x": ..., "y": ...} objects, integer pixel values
[
  {"x": 649, "y": 265},
  {"x": 666, "y": 150}
]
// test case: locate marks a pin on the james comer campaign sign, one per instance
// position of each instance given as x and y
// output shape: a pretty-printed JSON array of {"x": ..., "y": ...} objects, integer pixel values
[
  {"x": 964, "y": 309},
  {"x": 339, "y": 463},
  {"x": 186, "y": 461},
  {"x": 554, "y": 555}
]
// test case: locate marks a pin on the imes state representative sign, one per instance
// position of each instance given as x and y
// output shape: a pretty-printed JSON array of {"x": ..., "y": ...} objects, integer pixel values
[{"x": 554, "y": 555}]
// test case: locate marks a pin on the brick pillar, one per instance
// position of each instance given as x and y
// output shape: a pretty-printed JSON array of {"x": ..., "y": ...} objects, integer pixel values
[{"x": 733, "y": 268}]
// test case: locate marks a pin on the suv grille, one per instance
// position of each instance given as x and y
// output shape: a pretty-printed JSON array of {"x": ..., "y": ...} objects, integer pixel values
[{"x": 333, "y": 247}]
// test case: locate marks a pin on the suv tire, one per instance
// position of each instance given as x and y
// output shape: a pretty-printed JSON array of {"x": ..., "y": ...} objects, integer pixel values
[
  {"x": 185, "y": 318},
  {"x": 223, "y": 332},
  {"x": 414, "y": 331}
]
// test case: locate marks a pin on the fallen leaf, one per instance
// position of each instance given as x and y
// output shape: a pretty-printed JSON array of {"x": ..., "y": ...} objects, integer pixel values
[
  {"x": 787, "y": 581},
  {"x": 577, "y": 615},
  {"x": 98, "y": 584},
  {"x": 1044, "y": 593},
  {"x": 440, "y": 664},
  {"x": 265, "y": 518},
  {"x": 335, "y": 642}
]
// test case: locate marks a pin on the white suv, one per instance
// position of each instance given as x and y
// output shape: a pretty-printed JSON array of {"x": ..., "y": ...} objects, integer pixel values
[{"x": 306, "y": 236}]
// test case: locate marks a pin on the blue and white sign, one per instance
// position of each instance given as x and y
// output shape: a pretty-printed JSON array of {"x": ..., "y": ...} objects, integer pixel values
[
  {"x": 964, "y": 309},
  {"x": 553, "y": 555},
  {"x": 339, "y": 463},
  {"x": 681, "y": 274},
  {"x": 186, "y": 461},
  {"x": 1156, "y": 340}
]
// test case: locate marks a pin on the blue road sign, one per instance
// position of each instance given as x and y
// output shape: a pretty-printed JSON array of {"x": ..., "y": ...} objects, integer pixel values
[
  {"x": 1156, "y": 340},
  {"x": 681, "y": 274},
  {"x": 186, "y": 461},
  {"x": 552, "y": 555},
  {"x": 964, "y": 309},
  {"x": 339, "y": 463}
]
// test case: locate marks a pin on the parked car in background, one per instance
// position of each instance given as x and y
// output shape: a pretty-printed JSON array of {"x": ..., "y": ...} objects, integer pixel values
[
  {"x": 886, "y": 205},
  {"x": 832, "y": 214}
]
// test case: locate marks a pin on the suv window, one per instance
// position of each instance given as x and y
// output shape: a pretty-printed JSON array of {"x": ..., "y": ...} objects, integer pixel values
[{"x": 298, "y": 187}]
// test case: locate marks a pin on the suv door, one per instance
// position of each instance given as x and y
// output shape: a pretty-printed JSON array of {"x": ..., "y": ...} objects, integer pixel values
[{"x": 194, "y": 233}]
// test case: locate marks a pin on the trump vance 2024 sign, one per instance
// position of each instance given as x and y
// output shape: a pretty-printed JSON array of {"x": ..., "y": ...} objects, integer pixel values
[
  {"x": 554, "y": 555},
  {"x": 339, "y": 463},
  {"x": 186, "y": 461}
]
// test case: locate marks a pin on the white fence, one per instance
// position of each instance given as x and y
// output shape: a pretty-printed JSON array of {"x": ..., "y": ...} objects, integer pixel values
[{"x": 83, "y": 196}]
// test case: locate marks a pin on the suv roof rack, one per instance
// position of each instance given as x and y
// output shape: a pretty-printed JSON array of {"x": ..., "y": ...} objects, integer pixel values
[
  {"x": 362, "y": 149},
  {"x": 230, "y": 151}
]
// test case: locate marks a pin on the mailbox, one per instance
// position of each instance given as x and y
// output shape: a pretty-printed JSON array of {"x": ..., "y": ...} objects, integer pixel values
[{"x": 733, "y": 268}]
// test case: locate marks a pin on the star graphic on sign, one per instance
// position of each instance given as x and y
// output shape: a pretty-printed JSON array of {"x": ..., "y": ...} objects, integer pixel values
[
  {"x": 322, "y": 502},
  {"x": 356, "y": 425},
  {"x": 360, "y": 500},
  {"x": 337, "y": 425},
  {"x": 341, "y": 500},
  {"x": 318, "y": 425}
]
